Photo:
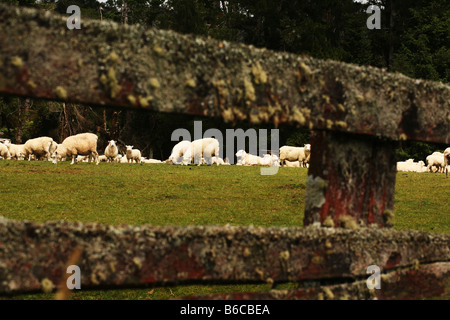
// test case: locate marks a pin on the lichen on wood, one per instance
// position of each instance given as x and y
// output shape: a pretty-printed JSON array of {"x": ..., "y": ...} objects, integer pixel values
[
  {"x": 105, "y": 63},
  {"x": 35, "y": 255}
]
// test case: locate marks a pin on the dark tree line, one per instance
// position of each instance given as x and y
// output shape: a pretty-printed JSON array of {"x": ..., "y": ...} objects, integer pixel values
[{"x": 414, "y": 39}]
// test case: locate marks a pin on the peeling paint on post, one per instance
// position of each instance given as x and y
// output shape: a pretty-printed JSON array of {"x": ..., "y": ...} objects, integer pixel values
[{"x": 357, "y": 175}]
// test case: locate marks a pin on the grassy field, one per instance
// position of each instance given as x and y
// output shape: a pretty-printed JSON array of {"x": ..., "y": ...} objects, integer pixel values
[{"x": 177, "y": 195}]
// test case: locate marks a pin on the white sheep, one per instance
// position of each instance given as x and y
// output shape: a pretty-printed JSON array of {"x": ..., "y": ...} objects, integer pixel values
[
  {"x": 133, "y": 155},
  {"x": 16, "y": 151},
  {"x": 271, "y": 160},
  {"x": 151, "y": 161},
  {"x": 239, "y": 158},
  {"x": 178, "y": 152},
  {"x": 446, "y": 160},
  {"x": 62, "y": 156},
  {"x": 206, "y": 148},
  {"x": 218, "y": 161},
  {"x": 436, "y": 159},
  {"x": 84, "y": 144},
  {"x": 301, "y": 154},
  {"x": 81, "y": 158},
  {"x": 4, "y": 152},
  {"x": 42, "y": 147},
  {"x": 122, "y": 159},
  {"x": 411, "y": 166},
  {"x": 291, "y": 164},
  {"x": 111, "y": 151},
  {"x": 247, "y": 159},
  {"x": 103, "y": 158}
]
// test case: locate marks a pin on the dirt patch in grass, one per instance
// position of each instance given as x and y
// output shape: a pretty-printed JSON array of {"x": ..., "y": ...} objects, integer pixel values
[{"x": 293, "y": 186}]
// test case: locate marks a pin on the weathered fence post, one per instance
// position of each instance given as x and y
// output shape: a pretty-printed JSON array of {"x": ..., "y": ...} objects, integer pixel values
[{"x": 351, "y": 179}]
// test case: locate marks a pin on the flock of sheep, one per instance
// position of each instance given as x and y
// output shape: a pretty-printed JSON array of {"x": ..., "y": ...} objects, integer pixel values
[
  {"x": 435, "y": 162},
  {"x": 83, "y": 147},
  {"x": 206, "y": 151},
  {"x": 79, "y": 147}
]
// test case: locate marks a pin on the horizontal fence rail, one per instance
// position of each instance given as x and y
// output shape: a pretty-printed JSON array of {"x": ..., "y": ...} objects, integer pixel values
[
  {"x": 409, "y": 283},
  {"x": 108, "y": 64},
  {"x": 134, "y": 255}
]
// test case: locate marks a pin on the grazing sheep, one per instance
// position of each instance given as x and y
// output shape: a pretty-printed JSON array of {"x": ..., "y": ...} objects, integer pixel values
[
  {"x": 42, "y": 147},
  {"x": 133, "y": 155},
  {"x": 435, "y": 159},
  {"x": 111, "y": 151},
  {"x": 301, "y": 154},
  {"x": 16, "y": 151},
  {"x": 446, "y": 160},
  {"x": 178, "y": 152},
  {"x": 206, "y": 148},
  {"x": 62, "y": 155},
  {"x": 4, "y": 152},
  {"x": 84, "y": 144}
]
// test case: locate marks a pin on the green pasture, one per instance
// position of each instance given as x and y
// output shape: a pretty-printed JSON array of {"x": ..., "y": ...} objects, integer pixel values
[{"x": 159, "y": 194}]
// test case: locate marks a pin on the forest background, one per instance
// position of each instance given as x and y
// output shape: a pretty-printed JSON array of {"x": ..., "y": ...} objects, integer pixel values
[{"x": 414, "y": 40}]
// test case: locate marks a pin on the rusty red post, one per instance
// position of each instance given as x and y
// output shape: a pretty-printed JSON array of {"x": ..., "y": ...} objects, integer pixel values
[{"x": 351, "y": 180}]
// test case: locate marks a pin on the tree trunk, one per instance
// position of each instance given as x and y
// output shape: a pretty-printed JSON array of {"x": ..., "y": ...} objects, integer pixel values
[
  {"x": 391, "y": 34},
  {"x": 124, "y": 12},
  {"x": 18, "y": 133}
]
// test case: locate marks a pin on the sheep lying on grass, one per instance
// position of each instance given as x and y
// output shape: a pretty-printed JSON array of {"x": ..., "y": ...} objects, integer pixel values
[
  {"x": 79, "y": 144},
  {"x": 122, "y": 159},
  {"x": 133, "y": 155},
  {"x": 271, "y": 160},
  {"x": 218, "y": 161},
  {"x": 150, "y": 161},
  {"x": 293, "y": 164},
  {"x": 411, "y": 166},
  {"x": 247, "y": 159}
]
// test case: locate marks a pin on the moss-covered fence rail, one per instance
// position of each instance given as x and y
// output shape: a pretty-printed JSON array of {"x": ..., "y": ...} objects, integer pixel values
[{"x": 357, "y": 115}]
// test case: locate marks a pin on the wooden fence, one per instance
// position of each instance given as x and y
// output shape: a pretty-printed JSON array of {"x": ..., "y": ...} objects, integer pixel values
[{"x": 357, "y": 115}]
